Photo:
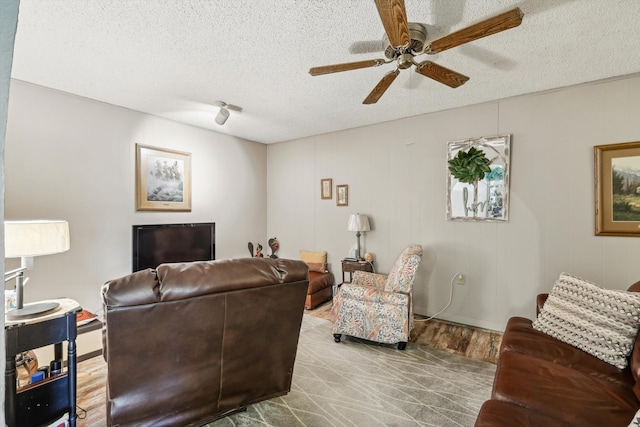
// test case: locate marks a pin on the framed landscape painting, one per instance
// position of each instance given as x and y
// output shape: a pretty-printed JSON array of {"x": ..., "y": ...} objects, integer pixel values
[
  {"x": 617, "y": 186},
  {"x": 163, "y": 179}
]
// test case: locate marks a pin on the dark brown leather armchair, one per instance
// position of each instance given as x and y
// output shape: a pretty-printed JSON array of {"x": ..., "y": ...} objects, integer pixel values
[{"x": 191, "y": 342}]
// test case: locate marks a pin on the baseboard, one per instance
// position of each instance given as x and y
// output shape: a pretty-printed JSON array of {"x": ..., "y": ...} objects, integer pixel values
[{"x": 90, "y": 355}]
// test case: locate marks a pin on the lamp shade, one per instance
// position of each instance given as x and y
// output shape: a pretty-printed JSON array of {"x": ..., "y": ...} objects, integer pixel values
[
  {"x": 35, "y": 238},
  {"x": 358, "y": 222}
]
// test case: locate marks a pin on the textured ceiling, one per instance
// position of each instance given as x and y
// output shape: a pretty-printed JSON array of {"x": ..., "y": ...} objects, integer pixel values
[{"x": 175, "y": 58}]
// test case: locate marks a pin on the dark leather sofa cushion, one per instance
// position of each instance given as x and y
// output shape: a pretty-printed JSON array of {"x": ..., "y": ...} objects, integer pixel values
[
  {"x": 208, "y": 277},
  {"x": 561, "y": 392},
  {"x": 175, "y": 281},
  {"x": 134, "y": 289},
  {"x": 520, "y": 337},
  {"x": 634, "y": 365},
  {"x": 498, "y": 413},
  {"x": 319, "y": 281}
]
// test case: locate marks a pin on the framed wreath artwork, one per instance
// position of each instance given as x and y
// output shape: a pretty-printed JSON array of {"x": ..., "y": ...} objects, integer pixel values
[
  {"x": 163, "y": 179},
  {"x": 478, "y": 179}
]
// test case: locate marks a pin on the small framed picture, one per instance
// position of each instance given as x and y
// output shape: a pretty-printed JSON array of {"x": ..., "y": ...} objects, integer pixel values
[
  {"x": 163, "y": 179},
  {"x": 325, "y": 188},
  {"x": 617, "y": 185},
  {"x": 342, "y": 195}
]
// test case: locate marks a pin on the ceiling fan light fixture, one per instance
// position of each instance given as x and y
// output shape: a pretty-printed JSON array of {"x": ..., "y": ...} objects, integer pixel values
[{"x": 405, "y": 61}]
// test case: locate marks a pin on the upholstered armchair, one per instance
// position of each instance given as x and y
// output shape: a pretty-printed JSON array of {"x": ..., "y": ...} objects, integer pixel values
[{"x": 378, "y": 307}]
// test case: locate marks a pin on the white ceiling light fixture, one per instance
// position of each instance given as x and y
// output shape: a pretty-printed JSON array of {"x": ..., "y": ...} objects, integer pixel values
[{"x": 223, "y": 114}]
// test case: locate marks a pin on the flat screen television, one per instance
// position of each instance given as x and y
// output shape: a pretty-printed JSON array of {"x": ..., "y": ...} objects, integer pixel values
[{"x": 159, "y": 243}]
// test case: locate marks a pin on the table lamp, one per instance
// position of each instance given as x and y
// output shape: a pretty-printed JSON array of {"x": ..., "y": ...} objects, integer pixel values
[
  {"x": 25, "y": 240},
  {"x": 358, "y": 223}
]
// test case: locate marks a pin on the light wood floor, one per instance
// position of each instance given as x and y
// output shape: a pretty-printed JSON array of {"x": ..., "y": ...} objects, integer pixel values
[
  {"x": 471, "y": 342},
  {"x": 91, "y": 395},
  {"x": 474, "y": 343}
]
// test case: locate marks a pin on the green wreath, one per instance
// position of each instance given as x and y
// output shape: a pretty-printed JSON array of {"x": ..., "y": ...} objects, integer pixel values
[{"x": 469, "y": 166}]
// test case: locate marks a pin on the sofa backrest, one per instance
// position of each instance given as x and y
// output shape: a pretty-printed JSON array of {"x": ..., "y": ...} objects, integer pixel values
[
  {"x": 187, "y": 342},
  {"x": 634, "y": 357}
]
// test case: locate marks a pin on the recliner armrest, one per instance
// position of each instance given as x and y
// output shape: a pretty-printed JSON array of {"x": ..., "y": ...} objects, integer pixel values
[
  {"x": 364, "y": 278},
  {"x": 368, "y": 294}
]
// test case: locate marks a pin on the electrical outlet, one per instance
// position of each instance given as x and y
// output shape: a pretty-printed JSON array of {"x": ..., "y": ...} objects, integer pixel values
[{"x": 460, "y": 279}]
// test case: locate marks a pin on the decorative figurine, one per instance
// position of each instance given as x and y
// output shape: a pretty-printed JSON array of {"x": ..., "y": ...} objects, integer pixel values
[
  {"x": 368, "y": 257},
  {"x": 259, "y": 251},
  {"x": 274, "y": 245},
  {"x": 250, "y": 246}
]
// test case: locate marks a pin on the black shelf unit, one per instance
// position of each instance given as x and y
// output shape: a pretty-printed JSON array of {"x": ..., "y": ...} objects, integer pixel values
[{"x": 45, "y": 401}]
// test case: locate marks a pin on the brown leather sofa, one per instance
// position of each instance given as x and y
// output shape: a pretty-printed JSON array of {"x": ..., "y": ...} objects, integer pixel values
[
  {"x": 541, "y": 381},
  {"x": 190, "y": 342}
]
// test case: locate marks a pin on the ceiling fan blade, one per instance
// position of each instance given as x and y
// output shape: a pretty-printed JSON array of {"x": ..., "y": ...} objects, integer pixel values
[
  {"x": 347, "y": 66},
  {"x": 490, "y": 26},
  {"x": 381, "y": 87},
  {"x": 441, "y": 74},
  {"x": 394, "y": 19}
]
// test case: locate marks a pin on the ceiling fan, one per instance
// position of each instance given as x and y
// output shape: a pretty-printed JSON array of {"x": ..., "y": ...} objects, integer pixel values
[{"x": 406, "y": 40}]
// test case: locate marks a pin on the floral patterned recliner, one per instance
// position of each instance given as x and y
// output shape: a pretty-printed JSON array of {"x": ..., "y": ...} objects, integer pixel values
[{"x": 378, "y": 307}]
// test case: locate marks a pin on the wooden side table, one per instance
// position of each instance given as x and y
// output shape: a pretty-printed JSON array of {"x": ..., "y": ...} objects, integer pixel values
[
  {"x": 351, "y": 266},
  {"x": 47, "y": 400}
]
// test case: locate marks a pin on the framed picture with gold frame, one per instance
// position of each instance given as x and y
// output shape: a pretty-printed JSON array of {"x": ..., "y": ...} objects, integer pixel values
[
  {"x": 617, "y": 187},
  {"x": 163, "y": 179},
  {"x": 342, "y": 195},
  {"x": 325, "y": 188}
]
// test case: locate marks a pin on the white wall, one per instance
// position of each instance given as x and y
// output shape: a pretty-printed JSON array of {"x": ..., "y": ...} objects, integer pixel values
[
  {"x": 72, "y": 158},
  {"x": 396, "y": 173}
]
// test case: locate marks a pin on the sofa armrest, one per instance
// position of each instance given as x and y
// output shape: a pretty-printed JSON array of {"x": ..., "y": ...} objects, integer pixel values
[
  {"x": 540, "y": 302},
  {"x": 364, "y": 278}
]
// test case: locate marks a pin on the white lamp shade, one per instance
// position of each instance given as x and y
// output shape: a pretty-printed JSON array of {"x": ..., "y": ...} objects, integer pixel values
[
  {"x": 358, "y": 222},
  {"x": 35, "y": 238}
]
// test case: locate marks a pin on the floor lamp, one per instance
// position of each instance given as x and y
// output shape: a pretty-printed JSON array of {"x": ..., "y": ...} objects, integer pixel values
[{"x": 25, "y": 240}]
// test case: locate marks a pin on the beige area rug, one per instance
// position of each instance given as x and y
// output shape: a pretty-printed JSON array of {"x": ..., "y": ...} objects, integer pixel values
[{"x": 359, "y": 383}]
